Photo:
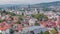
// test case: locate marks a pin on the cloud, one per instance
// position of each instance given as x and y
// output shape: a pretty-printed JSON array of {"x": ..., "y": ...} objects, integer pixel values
[{"x": 24, "y": 1}]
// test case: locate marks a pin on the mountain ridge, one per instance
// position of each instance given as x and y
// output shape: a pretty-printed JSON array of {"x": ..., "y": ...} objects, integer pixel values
[{"x": 56, "y": 3}]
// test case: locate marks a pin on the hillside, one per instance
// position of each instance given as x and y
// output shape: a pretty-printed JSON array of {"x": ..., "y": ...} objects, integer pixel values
[{"x": 39, "y": 5}]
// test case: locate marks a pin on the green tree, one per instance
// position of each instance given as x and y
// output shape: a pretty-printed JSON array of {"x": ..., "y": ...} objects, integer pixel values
[
  {"x": 11, "y": 17},
  {"x": 20, "y": 17},
  {"x": 32, "y": 15},
  {"x": 11, "y": 13},
  {"x": 40, "y": 17},
  {"x": 11, "y": 31},
  {"x": 0, "y": 33},
  {"x": 18, "y": 22},
  {"x": 41, "y": 32},
  {"x": 46, "y": 32},
  {"x": 1, "y": 21},
  {"x": 46, "y": 9},
  {"x": 55, "y": 28},
  {"x": 54, "y": 31},
  {"x": 3, "y": 11},
  {"x": 36, "y": 24}
]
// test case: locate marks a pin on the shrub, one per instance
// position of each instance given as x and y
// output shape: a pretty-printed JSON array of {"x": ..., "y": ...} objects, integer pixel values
[
  {"x": 53, "y": 31},
  {"x": 41, "y": 32},
  {"x": 46, "y": 32}
]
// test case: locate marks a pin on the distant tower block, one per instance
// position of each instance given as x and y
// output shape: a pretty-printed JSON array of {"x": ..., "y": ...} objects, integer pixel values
[{"x": 38, "y": 10}]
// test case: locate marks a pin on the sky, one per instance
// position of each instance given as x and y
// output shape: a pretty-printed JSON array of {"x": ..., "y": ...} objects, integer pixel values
[{"x": 25, "y": 1}]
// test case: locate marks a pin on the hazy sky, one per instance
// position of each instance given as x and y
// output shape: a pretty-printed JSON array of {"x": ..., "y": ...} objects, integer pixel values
[{"x": 24, "y": 1}]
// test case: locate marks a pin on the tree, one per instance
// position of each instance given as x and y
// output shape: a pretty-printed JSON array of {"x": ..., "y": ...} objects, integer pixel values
[
  {"x": 11, "y": 13},
  {"x": 11, "y": 31},
  {"x": 1, "y": 21},
  {"x": 11, "y": 17},
  {"x": 56, "y": 29},
  {"x": 3, "y": 11},
  {"x": 40, "y": 17},
  {"x": 20, "y": 17},
  {"x": 0, "y": 33},
  {"x": 46, "y": 32},
  {"x": 46, "y": 9},
  {"x": 18, "y": 22},
  {"x": 32, "y": 15},
  {"x": 36, "y": 24},
  {"x": 53, "y": 31},
  {"x": 41, "y": 32}
]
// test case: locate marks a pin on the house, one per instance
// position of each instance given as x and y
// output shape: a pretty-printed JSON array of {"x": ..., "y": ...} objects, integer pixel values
[
  {"x": 4, "y": 28},
  {"x": 15, "y": 18},
  {"x": 58, "y": 32},
  {"x": 25, "y": 23},
  {"x": 43, "y": 24},
  {"x": 32, "y": 22},
  {"x": 17, "y": 27}
]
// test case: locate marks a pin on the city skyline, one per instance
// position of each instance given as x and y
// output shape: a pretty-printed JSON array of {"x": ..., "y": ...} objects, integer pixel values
[{"x": 25, "y": 1}]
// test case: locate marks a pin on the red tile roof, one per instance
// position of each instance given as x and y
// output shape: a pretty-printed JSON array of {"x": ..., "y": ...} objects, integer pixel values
[{"x": 4, "y": 26}]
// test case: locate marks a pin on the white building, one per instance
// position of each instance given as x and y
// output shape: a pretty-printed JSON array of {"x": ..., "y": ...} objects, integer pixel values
[{"x": 32, "y": 22}]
